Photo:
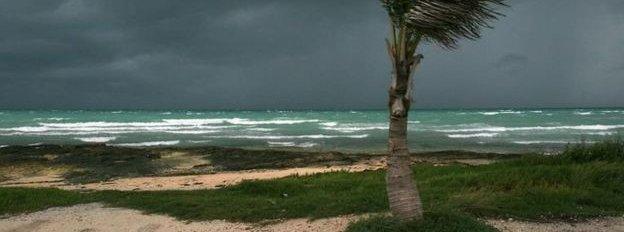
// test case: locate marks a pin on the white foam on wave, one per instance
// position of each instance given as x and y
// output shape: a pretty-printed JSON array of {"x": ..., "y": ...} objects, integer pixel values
[
  {"x": 602, "y": 133},
  {"x": 195, "y": 121},
  {"x": 81, "y": 128},
  {"x": 261, "y": 129},
  {"x": 281, "y": 144},
  {"x": 192, "y": 132},
  {"x": 529, "y": 142},
  {"x": 199, "y": 141},
  {"x": 238, "y": 121},
  {"x": 413, "y": 122},
  {"x": 503, "y": 129},
  {"x": 329, "y": 124},
  {"x": 166, "y": 113},
  {"x": 242, "y": 121},
  {"x": 180, "y": 126},
  {"x": 3, "y": 146},
  {"x": 96, "y": 139},
  {"x": 165, "y": 122},
  {"x": 148, "y": 144},
  {"x": 291, "y": 144},
  {"x": 25, "y": 129},
  {"x": 279, "y": 137},
  {"x": 583, "y": 113},
  {"x": 51, "y": 119},
  {"x": 307, "y": 144},
  {"x": 477, "y": 135},
  {"x": 354, "y": 127},
  {"x": 490, "y": 113}
]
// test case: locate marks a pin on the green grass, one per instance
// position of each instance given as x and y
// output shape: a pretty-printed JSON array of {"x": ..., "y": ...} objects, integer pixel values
[
  {"x": 20, "y": 200},
  {"x": 565, "y": 187},
  {"x": 440, "y": 222}
]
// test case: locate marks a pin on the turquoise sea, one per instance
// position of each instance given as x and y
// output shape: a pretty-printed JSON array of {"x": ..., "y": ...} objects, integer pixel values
[{"x": 500, "y": 130}]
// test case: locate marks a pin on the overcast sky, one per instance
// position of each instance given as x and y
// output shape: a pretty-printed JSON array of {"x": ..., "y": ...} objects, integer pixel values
[{"x": 297, "y": 54}]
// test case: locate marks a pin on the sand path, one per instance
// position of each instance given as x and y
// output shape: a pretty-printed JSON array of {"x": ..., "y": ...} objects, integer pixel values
[
  {"x": 614, "y": 224},
  {"x": 187, "y": 182},
  {"x": 95, "y": 217}
]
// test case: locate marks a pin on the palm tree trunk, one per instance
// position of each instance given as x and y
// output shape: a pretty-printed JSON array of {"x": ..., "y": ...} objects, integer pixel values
[{"x": 404, "y": 199}]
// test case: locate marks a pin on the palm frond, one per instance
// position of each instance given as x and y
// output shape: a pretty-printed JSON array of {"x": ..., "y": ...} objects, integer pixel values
[{"x": 444, "y": 21}]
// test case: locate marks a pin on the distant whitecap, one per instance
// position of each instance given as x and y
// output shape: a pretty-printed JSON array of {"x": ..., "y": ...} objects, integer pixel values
[
  {"x": 96, "y": 139},
  {"x": 477, "y": 135},
  {"x": 148, "y": 144}
]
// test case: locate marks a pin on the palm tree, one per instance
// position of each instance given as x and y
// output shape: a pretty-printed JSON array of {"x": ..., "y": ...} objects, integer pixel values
[{"x": 442, "y": 22}]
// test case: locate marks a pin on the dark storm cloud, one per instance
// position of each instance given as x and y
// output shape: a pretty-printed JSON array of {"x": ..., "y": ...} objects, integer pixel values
[{"x": 296, "y": 54}]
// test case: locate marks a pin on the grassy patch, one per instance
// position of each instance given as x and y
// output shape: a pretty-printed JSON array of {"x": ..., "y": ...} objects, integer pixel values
[
  {"x": 21, "y": 200},
  {"x": 316, "y": 196},
  {"x": 440, "y": 222}
]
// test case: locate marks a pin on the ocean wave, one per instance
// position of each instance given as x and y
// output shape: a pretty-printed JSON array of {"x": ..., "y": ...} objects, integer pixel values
[
  {"x": 477, "y": 135},
  {"x": 355, "y": 129},
  {"x": 148, "y": 144},
  {"x": 192, "y": 132},
  {"x": 307, "y": 144},
  {"x": 165, "y": 124},
  {"x": 101, "y": 124},
  {"x": 529, "y": 142},
  {"x": 490, "y": 113},
  {"x": 120, "y": 129},
  {"x": 195, "y": 121},
  {"x": 281, "y": 144},
  {"x": 278, "y": 137},
  {"x": 261, "y": 129},
  {"x": 238, "y": 121},
  {"x": 291, "y": 144},
  {"x": 504, "y": 129},
  {"x": 329, "y": 124},
  {"x": 199, "y": 141},
  {"x": 96, "y": 139},
  {"x": 51, "y": 119},
  {"x": 242, "y": 121},
  {"x": 602, "y": 133}
]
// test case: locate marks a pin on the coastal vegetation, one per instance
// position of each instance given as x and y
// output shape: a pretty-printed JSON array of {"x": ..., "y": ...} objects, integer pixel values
[
  {"x": 95, "y": 163},
  {"x": 585, "y": 181}
]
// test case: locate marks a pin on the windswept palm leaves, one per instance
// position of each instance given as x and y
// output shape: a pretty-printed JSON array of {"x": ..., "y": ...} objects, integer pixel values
[{"x": 442, "y": 22}]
